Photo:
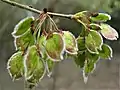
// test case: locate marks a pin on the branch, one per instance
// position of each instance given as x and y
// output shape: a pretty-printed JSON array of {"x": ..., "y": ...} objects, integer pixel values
[{"x": 69, "y": 16}]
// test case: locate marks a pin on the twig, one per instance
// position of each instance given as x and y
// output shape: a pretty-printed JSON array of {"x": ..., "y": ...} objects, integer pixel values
[{"x": 69, "y": 16}]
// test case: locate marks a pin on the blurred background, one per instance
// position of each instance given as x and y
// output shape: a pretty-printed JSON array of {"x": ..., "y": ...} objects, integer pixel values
[{"x": 66, "y": 76}]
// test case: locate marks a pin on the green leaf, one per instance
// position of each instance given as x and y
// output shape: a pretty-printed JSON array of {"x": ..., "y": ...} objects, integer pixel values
[
  {"x": 55, "y": 46},
  {"x": 95, "y": 27},
  {"x": 93, "y": 41},
  {"x": 15, "y": 65},
  {"x": 81, "y": 43},
  {"x": 22, "y": 42},
  {"x": 82, "y": 16},
  {"x": 90, "y": 65},
  {"x": 101, "y": 17},
  {"x": 93, "y": 58},
  {"x": 108, "y": 32},
  {"x": 49, "y": 66},
  {"x": 41, "y": 45},
  {"x": 34, "y": 66},
  {"x": 70, "y": 42},
  {"x": 41, "y": 41},
  {"x": 22, "y": 26},
  {"x": 106, "y": 52},
  {"x": 80, "y": 59}
]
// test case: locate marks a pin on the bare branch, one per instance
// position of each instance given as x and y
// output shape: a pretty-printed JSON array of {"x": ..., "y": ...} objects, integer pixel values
[{"x": 69, "y": 16}]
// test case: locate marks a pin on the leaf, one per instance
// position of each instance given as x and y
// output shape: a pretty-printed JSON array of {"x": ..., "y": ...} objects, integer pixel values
[
  {"x": 55, "y": 46},
  {"x": 90, "y": 65},
  {"x": 49, "y": 66},
  {"x": 22, "y": 26},
  {"x": 93, "y": 41},
  {"x": 84, "y": 32},
  {"x": 81, "y": 43},
  {"x": 106, "y": 52},
  {"x": 95, "y": 27},
  {"x": 101, "y": 17},
  {"x": 41, "y": 45},
  {"x": 108, "y": 32},
  {"x": 22, "y": 42},
  {"x": 80, "y": 59},
  {"x": 70, "y": 42},
  {"x": 91, "y": 59},
  {"x": 88, "y": 68},
  {"x": 34, "y": 66},
  {"x": 41, "y": 41},
  {"x": 15, "y": 66},
  {"x": 82, "y": 16}
]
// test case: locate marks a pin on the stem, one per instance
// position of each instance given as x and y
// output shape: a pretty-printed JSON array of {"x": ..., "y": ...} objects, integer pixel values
[
  {"x": 69, "y": 16},
  {"x": 25, "y": 87},
  {"x": 53, "y": 23}
]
